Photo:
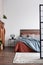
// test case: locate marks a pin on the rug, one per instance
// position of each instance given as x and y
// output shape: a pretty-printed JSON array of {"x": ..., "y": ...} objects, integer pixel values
[{"x": 27, "y": 58}]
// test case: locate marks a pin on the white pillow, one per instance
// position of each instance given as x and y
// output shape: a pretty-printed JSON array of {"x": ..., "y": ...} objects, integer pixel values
[
  {"x": 24, "y": 35},
  {"x": 35, "y": 36}
]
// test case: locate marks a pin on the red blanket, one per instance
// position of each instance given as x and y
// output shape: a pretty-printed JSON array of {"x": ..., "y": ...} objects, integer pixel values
[{"x": 21, "y": 47}]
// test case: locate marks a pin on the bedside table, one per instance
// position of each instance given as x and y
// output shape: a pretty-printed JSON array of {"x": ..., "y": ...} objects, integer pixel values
[{"x": 11, "y": 42}]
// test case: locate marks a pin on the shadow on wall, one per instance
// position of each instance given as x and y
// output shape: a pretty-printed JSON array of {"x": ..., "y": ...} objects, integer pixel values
[{"x": 6, "y": 42}]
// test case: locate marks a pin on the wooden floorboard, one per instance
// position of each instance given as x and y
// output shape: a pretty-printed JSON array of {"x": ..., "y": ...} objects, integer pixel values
[{"x": 7, "y": 55}]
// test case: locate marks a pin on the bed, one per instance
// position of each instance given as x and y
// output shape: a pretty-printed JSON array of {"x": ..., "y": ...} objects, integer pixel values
[{"x": 26, "y": 33}]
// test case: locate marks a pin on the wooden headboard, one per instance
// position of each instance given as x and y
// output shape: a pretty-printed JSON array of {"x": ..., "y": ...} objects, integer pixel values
[{"x": 29, "y": 31}]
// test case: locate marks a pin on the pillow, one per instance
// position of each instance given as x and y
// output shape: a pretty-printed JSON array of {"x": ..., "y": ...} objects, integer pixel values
[
  {"x": 37, "y": 37},
  {"x": 34, "y": 36},
  {"x": 24, "y": 35}
]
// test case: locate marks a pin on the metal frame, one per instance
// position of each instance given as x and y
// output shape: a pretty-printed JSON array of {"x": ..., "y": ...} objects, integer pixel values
[{"x": 40, "y": 27}]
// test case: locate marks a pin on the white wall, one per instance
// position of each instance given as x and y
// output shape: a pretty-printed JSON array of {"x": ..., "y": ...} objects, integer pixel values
[
  {"x": 21, "y": 14},
  {"x": 1, "y": 8}
]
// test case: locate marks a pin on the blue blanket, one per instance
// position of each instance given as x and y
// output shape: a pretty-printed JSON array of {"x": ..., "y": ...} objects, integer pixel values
[{"x": 30, "y": 42}]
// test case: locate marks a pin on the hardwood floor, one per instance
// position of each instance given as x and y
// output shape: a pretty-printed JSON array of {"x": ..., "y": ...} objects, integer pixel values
[{"x": 7, "y": 55}]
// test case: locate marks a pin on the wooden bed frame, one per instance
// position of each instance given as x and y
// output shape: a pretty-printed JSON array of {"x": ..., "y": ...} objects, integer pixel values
[
  {"x": 29, "y": 31},
  {"x": 20, "y": 46}
]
